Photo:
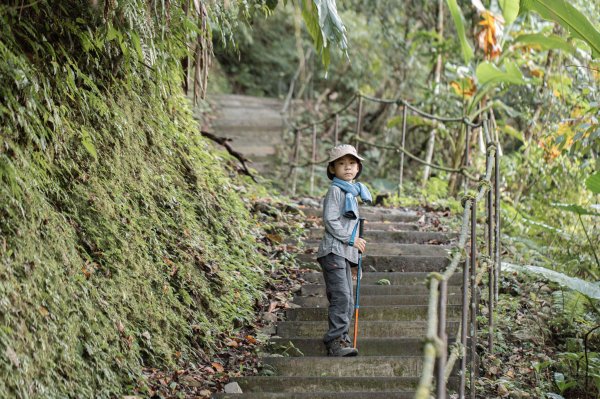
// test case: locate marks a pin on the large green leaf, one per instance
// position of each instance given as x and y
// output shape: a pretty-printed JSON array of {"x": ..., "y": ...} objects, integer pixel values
[
  {"x": 574, "y": 208},
  {"x": 488, "y": 73},
  {"x": 551, "y": 42},
  {"x": 586, "y": 288},
  {"x": 324, "y": 26},
  {"x": 457, "y": 16},
  {"x": 593, "y": 183},
  {"x": 510, "y": 10},
  {"x": 569, "y": 17}
]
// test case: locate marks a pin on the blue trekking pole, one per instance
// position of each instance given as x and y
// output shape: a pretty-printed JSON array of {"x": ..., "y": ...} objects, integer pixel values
[{"x": 358, "y": 276}]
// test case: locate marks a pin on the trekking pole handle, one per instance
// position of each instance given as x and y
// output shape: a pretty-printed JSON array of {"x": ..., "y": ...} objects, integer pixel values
[{"x": 361, "y": 227}]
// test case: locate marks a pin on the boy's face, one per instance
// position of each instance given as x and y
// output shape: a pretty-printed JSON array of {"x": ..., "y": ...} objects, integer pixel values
[{"x": 345, "y": 168}]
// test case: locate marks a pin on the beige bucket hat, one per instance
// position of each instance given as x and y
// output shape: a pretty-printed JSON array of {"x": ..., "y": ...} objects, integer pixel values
[
  {"x": 338, "y": 152},
  {"x": 341, "y": 150}
]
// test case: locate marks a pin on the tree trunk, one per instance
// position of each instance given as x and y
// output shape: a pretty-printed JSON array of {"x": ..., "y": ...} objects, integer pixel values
[{"x": 436, "y": 90}]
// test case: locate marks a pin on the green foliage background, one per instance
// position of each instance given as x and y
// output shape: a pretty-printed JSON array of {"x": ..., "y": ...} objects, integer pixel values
[{"x": 123, "y": 242}]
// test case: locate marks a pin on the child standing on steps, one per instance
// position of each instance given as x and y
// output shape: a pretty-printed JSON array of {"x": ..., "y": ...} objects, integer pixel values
[{"x": 338, "y": 251}]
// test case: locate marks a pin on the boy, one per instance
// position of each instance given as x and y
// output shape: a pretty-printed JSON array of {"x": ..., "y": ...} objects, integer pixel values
[{"x": 339, "y": 247}]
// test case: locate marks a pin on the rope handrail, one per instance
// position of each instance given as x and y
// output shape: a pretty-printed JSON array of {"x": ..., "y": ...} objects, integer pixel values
[
  {"x": 462, "y": 171},
  {"x": 399, "y": 101},
  {"x": 330, "y": 116},
  {"x": 431, "y": 350}
]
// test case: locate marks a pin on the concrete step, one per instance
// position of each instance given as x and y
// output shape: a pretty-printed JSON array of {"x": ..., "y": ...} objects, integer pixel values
[
  {"x": 391, "y": 226},
  {"x": 397, "y": 312},
  {"x": 268, "y": 132},
  {"x": 318, "y": 395},
  {"x": 396, "y": 237},
  {"x": 366, "y": 346},
  {"x": 240, "y": 100},
  {"x": 395, "y": 278},
  {"x": 365, "y": 366},
  {"x": 357, "y": 382},
  {"x": 390, "y": 248},
  {"x": 373, "y": 289},
  {"x": 390, "y": 263},
  {"x": 366, "y": 329},
  {"x": 374, "y": 214},
  {"x": 377, "y": 300}
]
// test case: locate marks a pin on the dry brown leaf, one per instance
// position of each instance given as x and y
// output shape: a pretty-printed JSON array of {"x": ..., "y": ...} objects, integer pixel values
[
  {"x": 251, "y": 339},
  {"x": 218, "y": 367}
]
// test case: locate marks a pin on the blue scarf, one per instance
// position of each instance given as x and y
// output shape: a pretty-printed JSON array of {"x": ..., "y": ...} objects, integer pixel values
[{"x": 352, "y": 190}]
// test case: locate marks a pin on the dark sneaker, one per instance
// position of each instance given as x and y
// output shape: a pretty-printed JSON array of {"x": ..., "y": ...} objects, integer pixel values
[{"x": 335, "y": 348}]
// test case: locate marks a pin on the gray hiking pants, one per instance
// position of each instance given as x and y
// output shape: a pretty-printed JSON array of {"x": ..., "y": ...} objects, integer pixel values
[{"x": 338, "y": 282}]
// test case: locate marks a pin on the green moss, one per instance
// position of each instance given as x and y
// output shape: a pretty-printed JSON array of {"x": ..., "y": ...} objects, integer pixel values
[{"x": 124, "y": 243}]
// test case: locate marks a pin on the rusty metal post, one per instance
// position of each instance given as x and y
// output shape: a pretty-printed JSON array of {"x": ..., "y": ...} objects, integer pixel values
[
  {"x": 473, "y": 352},
  {"x": 359, "y": 119},
  {"x": 295, "y": 160},
  {"x": 313, "y": 159},
  {"x": 465, "y": 181},
  {"x": 491, "y": 272},
  {"x": 497, "y": 235},
  {"x": 443, "y": 354},
  {"x": 464, "y": 327},
  {"x": 336, "y": 127},
  {"x": 402, "y": 143}
]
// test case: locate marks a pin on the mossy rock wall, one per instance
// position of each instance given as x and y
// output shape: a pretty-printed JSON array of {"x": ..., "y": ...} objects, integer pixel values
[{"x": 123, "y": 242}]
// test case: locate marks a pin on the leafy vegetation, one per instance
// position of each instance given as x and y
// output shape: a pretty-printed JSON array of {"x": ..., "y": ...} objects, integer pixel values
[{"x": 124, "y": 242}]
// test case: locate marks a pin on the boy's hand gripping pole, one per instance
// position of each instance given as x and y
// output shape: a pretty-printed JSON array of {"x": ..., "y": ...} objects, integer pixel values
[{"x": 358, "y": 276}]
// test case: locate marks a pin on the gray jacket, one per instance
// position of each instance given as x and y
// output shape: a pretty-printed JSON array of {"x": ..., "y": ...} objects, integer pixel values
[{"x": 338, "y": 229}]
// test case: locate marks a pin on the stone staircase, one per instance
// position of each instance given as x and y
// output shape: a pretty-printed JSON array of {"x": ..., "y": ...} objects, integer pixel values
[
  {"x": 392, "y": 321},
  {"x": 255, "y": 126}
]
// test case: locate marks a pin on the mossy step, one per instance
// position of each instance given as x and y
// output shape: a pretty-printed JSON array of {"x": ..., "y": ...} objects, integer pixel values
[
  {"x": 374, "y": 214},
  {"x": 397, "y": 237},
  {"x": 366, "y": 329},
  {"x": 395, "y": 278},
  {"x": 365, "y": 366},
  {"x": 372, "y": 289},
  {"x": 357, "y": 382},
  {"x": 318, "y": 395},
  {"x": 366, "y": 346},
  {"x": 398, "y": 312},
  {"x": 389, "y": 263},
  {"x": 376, "y": 300}
]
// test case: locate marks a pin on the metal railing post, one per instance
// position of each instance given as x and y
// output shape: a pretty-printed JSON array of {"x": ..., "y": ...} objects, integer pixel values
[
  {"x": 497, "y": 235},
  {"x": 473, "y": 352},
  {"x": 402, "y": 143},
  {"x": 491, "y": 273},
  {"x": 295, "y": 160},
  {"x": 464, "y": 328},
  {"x": 465, "y": 181},
  {"x": 336, "y": 127},
  {"x": 443, "y": 350},
  {"x": 313, "y": 158},
  {"x": 359, "y": 120}
]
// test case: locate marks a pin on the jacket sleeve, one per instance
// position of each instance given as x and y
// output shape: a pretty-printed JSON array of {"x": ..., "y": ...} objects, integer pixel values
[{"x": 332, "y": 215}]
